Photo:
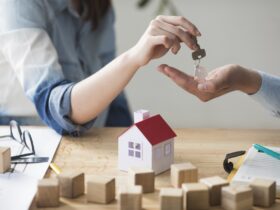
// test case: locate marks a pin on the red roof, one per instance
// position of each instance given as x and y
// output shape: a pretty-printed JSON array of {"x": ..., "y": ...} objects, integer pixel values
[{"x": 155, "y": 129}]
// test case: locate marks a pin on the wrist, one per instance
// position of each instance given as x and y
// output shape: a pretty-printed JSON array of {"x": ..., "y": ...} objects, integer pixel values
[
  {"x": 133, "y": 57},
  {"x": 130, "y": 58},
  {"x": 250, "y": 81}
]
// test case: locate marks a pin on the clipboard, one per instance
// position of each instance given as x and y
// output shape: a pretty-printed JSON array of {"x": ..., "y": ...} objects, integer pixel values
[
  {"x": 261, "y": 166},
  {"x": 235, "y": 168}
]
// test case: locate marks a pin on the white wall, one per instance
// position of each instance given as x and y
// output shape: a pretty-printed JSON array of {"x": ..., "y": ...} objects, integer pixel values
[{"x": 245, "y": 32}]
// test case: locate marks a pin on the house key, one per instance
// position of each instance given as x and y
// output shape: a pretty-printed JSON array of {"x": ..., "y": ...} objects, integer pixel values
[{"x": 200, "y": 71}]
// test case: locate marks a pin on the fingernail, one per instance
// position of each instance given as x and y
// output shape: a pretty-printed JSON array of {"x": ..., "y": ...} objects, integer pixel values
[{"x": 198, "y": 33}]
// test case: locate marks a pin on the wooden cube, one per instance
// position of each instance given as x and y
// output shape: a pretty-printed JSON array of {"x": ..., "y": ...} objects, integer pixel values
[
  {"x": 215, "y": 185},
  {"x": 237, "y": 198},
  {"x": 5, "y": 159},
  {"x": 171, "y": 198},
  {"x": 183, "y": 173},
  {"x": 47, "y": 193},
  {"x": 130, "y": 198},
  {"x": 101, "y": 190},
  {"x": 264, "y": 192},
  {"x": 143, "y": 177},
  {"x": 72, "y": 184},
  {"x": 196, "y": 196}
]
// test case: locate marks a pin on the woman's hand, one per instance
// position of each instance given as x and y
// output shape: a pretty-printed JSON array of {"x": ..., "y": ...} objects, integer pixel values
[
  {"x": 164, "y": 33},
  {"x": 218, "y": 82}
]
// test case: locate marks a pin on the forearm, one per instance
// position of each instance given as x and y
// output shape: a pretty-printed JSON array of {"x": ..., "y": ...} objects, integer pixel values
[{"x": 92, "y": 95}]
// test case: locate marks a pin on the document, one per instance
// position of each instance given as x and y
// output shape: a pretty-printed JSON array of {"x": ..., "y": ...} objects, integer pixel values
[
  {"x": 18, "y": 187},
  {"x": 259, "y": 165}
]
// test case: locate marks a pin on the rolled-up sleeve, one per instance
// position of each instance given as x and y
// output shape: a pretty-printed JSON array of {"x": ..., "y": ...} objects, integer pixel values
[
  {"x": 29, "y": 50},
  {"x": 269, "y": 95}
]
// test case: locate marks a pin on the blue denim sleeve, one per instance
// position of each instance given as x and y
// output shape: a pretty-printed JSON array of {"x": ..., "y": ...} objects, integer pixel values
[
  {"x": 52, "y": 101},
  {"x": 41, "y": 75},
  {"x": 269, "y": 95}
]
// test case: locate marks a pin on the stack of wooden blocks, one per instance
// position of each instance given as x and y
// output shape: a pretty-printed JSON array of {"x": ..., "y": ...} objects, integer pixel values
[
  {"x": 140, "y": 180},
  {"x": 187, "y": 192},
  {"x": 213, "y": 191},
  {"x": 72, "y": 185}
]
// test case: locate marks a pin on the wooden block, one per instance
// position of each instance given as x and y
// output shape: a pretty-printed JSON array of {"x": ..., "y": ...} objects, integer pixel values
[
  {"x": 171, "y": 198},
  {"x": 5, "y": 159},
  {"x": 47, "y": 193},
  {"x": 215, "y": 185},
  {"x": 130, "y": 198},
  {"x": 101, "y": 190},
  {"x": 72, "y": 184},
  {"x": 183, "y": 173},
  {"x": 264, "y": 192},
  {"x": 143, "y": 177},
  {"x": 196, "y": 196},
  {"x": 237, "y": 198}
]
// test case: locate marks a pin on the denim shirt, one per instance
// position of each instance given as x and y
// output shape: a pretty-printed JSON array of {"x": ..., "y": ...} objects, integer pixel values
[{"x": 46, "y": 48}]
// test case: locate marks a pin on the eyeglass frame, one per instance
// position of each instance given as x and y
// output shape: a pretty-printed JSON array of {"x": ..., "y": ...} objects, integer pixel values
[{"x": 22, "y": 140}]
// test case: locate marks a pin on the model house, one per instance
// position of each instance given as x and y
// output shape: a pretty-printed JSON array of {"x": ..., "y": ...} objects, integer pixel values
[{"x": 149, "y": 143}]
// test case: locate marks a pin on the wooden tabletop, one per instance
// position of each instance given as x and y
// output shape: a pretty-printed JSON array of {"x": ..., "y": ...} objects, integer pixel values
[{"x": 95, "y": 153}]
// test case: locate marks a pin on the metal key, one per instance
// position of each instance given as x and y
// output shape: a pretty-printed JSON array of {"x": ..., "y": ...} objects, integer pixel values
[
  {"x": 200, "y": 72},
  {"x": 198, "y": 54}
]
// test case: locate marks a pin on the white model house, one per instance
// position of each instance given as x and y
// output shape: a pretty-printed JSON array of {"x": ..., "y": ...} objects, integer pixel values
[{"x": 149, "y": 143}]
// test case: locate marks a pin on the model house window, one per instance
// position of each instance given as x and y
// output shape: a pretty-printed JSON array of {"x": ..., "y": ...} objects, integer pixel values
[
  {"x": 134, "y": 150},
  {"x": 130, "y": 153},
  {"x": 131, "y": 145},
  {"x": 167, "y": 149}
]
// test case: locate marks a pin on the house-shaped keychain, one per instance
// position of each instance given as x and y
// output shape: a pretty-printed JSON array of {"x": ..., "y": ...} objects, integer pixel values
[{"x": 149, "y": 143}]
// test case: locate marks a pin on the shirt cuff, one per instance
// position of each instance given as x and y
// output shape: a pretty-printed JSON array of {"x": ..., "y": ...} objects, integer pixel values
[
  {"x": 268, "y": 94},
  {"x": 60, "y": 109},
  {"x": 260, "y": 94}
]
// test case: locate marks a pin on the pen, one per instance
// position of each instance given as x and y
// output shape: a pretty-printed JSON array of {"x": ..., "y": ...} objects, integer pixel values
[
  {"x": 267, "y": 151},
  {"x": 55, "y": 168}
]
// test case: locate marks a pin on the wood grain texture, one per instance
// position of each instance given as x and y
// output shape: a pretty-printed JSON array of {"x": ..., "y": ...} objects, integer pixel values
[{"x": 95, "y": 153}]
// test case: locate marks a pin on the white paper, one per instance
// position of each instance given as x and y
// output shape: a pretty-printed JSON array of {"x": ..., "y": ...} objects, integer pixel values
[
  {"x": 259, "y": 165},
  {"x": 17, "y": 189}
]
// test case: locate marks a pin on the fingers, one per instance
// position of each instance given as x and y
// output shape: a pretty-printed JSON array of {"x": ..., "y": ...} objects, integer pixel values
[
  {"x": 180, "y": 27},
  {"x": 175, "y": 41},
  {"x": 182, "y": 22},
  {"x": 185, "y": 81},
  {"x": 181, "y": 79},
  {"x": 178, "y": 32},
  {"x": 162, "y": 40}
]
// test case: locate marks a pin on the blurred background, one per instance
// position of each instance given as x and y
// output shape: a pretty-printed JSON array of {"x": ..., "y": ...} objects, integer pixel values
[{"x": 244, "y": 32}]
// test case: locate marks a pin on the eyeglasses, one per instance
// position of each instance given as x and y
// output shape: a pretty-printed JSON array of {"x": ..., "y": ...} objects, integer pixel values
[{"x": 23, "y": 146}]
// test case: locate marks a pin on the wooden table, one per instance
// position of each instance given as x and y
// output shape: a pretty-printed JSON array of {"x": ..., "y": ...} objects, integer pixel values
[{"x": 95, "y": 153}]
